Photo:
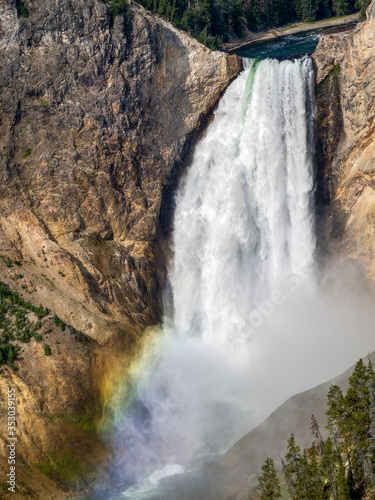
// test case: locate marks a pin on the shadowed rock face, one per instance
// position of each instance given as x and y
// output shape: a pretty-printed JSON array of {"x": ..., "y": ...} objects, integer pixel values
[
  {"x": 98, "y": 116},
  {"x": 345, "y": 66}
]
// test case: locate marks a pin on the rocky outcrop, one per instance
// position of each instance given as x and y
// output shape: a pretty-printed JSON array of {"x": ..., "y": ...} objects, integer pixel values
[
  {"x": 58, "y": 446},
  {"x": 345, "y": 65},
  {"x": 98, "y": 116}
]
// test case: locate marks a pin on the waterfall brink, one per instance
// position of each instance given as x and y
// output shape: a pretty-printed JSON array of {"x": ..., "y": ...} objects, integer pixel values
[{"x": 243, "y": 239}]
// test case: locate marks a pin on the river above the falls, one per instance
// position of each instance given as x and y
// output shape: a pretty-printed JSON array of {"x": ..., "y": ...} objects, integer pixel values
[{"x": 289, "y": 46}]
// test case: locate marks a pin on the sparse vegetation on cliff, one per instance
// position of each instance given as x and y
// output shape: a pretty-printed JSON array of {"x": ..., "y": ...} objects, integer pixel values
[{"x": 17, "y": 327}]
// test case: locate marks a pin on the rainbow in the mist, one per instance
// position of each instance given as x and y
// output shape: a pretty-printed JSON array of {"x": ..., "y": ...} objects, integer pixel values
[{"x": 242, "y": 286}]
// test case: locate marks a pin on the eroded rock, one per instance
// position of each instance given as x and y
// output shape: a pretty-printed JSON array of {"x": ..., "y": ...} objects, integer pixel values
[
  {"x": 345, "y": 66},
  {"x": 98, "y": 117}
]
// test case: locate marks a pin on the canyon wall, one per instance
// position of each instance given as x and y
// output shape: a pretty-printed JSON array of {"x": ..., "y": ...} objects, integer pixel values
[
  {"x": 345, "y": 93},
  {"x": 98, "y": 116}
]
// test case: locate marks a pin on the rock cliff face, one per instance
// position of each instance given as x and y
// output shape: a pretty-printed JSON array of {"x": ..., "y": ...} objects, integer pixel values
[
  {"x": 98, "y": 116},
  {"x": 345, "y": 65}
]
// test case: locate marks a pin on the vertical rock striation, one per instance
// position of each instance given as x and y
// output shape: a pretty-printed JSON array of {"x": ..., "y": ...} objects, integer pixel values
[
  {"x": 96, "y": 116},
  {"x": 345, "y": 68}
]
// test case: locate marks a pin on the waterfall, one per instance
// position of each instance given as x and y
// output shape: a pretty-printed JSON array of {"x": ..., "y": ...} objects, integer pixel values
[
  {"x": 245, "y": 309},
  {"x": 244, "y": 221}
]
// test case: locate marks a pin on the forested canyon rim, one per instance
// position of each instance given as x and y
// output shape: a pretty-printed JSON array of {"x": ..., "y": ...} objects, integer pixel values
[{"x": 84, "y": 176}]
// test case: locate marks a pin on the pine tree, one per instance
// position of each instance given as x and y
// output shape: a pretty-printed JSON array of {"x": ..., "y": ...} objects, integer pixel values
[
  {"x": 289, "y": 479},
  {"x": 314, "y": 482},
  {"x": 310, "y": 9},
  {"x": 315, "y": 432},
  {"x": 370, "y": 444},
  {"x": 343, "y": 489},
  {"x": 362, "y": 5},
  {"x": 329, "y": 465},
  {"x": 253, "y": 16},
  {"x": 268, "y": 482},
  {"x": 293, "y": 462},
  {"x": 335, "y": 408},
  {"x": 341, "y": 7},
  {"x": 324, "y": 9}
]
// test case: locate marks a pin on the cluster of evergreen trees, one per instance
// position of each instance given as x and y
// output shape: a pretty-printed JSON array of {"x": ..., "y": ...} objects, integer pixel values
[
  {"x": 342, "y": 466},
  {"x": 16, "y": 327},
  {"x": 14, "y": 323},
  {"x": 211, "y": 21}
]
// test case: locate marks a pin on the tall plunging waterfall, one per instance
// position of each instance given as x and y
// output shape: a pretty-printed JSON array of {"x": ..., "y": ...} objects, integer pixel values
[
  {"x": 244, "y": 221},
  {"x": 243, "y": 256}
]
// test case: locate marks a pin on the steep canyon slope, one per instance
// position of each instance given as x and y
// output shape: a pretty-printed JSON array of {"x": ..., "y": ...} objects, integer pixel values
[
  {"x": 98, "y": 115},
  {"x": 345, "y": 68}
]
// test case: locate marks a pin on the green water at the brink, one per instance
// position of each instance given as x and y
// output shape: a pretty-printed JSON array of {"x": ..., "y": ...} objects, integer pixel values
[{"x": 289, "y": 46}]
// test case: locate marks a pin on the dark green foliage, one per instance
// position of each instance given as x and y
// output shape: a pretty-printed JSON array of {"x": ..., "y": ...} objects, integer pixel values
[
  {"x": 324, "y": 9},
  {"x": 268, "y": 482},
  {"x": 8, "y": 352},
  {"x": 27, "y": 152},
  {"x": 212, "y": 21},
  {"x": 41, "y": 312},
  {"x": 14, "y": 322},
  {"x": 362, "y": 5},
  {"x": 343, "y": 466},
  {"x": 8, "y": 262},
  {"x": 116, "y": 7},
  {"x": 59, "y": 322},
  {"x": 21, "y": 9},
  {"x": 310, "y": 10},
  {"x": 342, "y": 7}
]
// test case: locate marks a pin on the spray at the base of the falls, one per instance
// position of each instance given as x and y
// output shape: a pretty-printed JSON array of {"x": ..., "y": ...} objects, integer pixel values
[{"x": 241, "y": 282}]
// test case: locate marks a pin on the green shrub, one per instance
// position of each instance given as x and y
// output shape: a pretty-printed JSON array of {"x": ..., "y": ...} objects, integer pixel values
[
  {"x": 59, "y": 322},
  {"x": 47, "y": 350},
  {"x": 117, "y": 7},
  {"x": 23, "y": 11},
  {"x": 7, "y": 261},
  {"x": 38, "y": 337},
  {"x": 8, "y": 352},
  {"x": 41, "y": 312},
  {"x": 27, "y": 152}
]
